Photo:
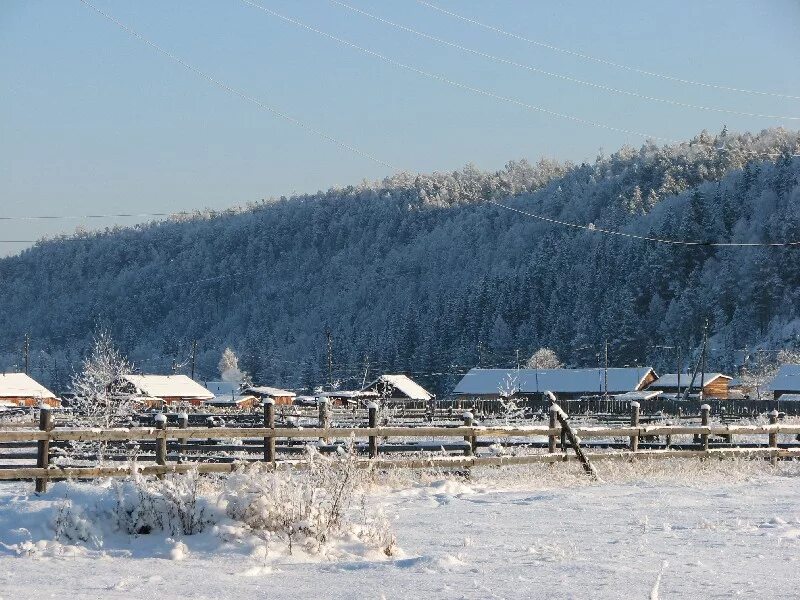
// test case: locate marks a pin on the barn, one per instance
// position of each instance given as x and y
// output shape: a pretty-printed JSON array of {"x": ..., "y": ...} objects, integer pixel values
[
  {"x": 786, "y": 381},
  {"x": 156, "y": 391},
  {"x": 714, "y": 385},
  {"x": 566, "y": 384},
  {"x": 399, "y": 389},
  {"x": 18, "y": 389},
  {"x": 228, "y": 394},
  {"x": 278, "y": 395}
]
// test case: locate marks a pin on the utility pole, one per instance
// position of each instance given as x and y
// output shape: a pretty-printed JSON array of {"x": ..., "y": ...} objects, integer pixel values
[
  {"x": 329, "y": 340},
  {"x": 366, "y": 370},
  {"x": 480, "y": 353},
  {"x": 678, "y": 370},
  {"x": 605, "y": 372},
  {"x": 703, "y": 359},
  {"x": 517, "y": 359},
  {"x": 194, "y": 355},
  {"x": 27, "y": 353}
]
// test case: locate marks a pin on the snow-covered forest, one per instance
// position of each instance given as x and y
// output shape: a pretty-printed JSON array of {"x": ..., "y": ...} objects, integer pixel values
[{"x": 420, "y": 274}]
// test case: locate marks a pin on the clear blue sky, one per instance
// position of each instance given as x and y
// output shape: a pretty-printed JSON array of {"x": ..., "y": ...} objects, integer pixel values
[{"x": 92, "y": 120}]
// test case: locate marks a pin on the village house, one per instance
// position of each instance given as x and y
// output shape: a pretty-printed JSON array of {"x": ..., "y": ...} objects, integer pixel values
[
  {"x": 399, "y": 389},
  {"x": 565, "y": 384},
  {"x": 349, "y": 398},
  {"x": 228, "y": 394},
  {"x": 786, "y": 382},
  {"x": 18, "y": 389},
  {"x": 263, "y": 392},
  {"x": 158, "y": 391},
  {"x": 713, "y": 385}
]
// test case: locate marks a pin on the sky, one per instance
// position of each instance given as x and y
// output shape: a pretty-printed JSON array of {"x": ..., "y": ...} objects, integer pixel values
[{"x": 94, "y": 121}]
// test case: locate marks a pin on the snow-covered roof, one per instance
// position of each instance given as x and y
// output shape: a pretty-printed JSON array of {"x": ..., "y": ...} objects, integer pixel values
[
  {"x": 787, "y": 379},
  {"x": 670, "y": 380},
  {"x": 168, "y": 386},
  {"x": 20, "y": 385},
  {"x": 230, "y": 400},
  {"x": 789, "y": 398},
  {"x": 222, "y": 388},
  {"x": 638, "y": 396},
  {"x": 271, "y": 392},
  {"x": 490, "y": 382},
  {"x": 404, "y": 384},
  {"x": 349, "y": 394}
]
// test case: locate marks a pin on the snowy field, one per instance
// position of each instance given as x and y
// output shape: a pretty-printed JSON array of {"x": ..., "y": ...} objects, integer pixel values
[{"x": 677, "y": 529}]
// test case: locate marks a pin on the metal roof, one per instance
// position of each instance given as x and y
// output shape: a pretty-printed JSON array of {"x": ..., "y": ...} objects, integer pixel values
[
  {"x": 168, "y": 386},
  {"x": 670, "y": 380},
  {"x": 404, "y": 384},
  {"x": 271, "y": 392},
  {"x": 491, "y": 382},
  {"x": 787, "y": 379}
]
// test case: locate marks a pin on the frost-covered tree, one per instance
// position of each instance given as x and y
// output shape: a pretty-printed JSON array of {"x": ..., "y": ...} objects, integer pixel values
[
  {"x": 99, "y": 387},
  {"x": 229, "y": 367},
  {"x": 543, "y": 358}
]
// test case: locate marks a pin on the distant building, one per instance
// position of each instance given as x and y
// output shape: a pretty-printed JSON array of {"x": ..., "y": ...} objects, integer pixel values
[
  {"x": 278, "y": 395},
  {"x": 399, "y": 389},
  {"x": 229, "y": 395},
  {"x": 715, "y": 385},
  {"x": 786, "y": 381},
  {"x": 18, "y": 389},
  {"x": 156, "y": 391},
  {"x": 351, "y": 398},
  {"x": 566, "y": 384}
]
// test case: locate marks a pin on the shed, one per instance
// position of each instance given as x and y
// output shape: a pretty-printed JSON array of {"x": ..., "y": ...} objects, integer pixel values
[
  {"x": 228, "y": 394},
  {"x": 155, "y": 390},
  {"x": 566, "y": 384},
  {"x": 399, "y": 389},
  {"x": 278, "y": 395},
  {"x": 349, "y": 397},
  {"x": 18, "y": 389},
  {"x": 786, "y": 381},
  {"x": 715, "y": 385}
]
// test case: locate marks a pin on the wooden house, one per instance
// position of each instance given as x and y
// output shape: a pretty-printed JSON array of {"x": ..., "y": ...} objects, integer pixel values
[
  {"x": 786, "y": 381},
  {"x": 157, "y": 391},
  {"x": 349, "y": 398},
  {"x": 399, "y": 389},
  {"x": 713, "y": 385},
  {"x": 18, "y": 389},
  {"x": 263, "y": 392},
  {"x": 565, "y": 384},
  {"x": 228, "y": 394}
]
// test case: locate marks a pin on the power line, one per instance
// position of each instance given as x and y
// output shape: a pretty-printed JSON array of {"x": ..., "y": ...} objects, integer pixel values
[
  {"x": 561, "y": 76},
  {"x": 98, "y": 216},
  {"x": 236, "y": 92},
  {"x": 454, "y": 83},
  {"x": 607, "y": 62},
  {"x": 659, "y": 240}
]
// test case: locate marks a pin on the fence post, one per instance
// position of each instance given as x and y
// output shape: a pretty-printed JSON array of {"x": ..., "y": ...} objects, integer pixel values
[
  {"x": 43, "y": 447},
  {"x": 773, "y": 437},
  {"x": 324, "y": 417},
  {"x": 269, "y": 423},
  {"x": 372, "y": 411},
  {"x": 551, "y": 438},
  {"x": 161, "y": 442},
  {"x": 705, "y": 413},
  {"x": 635, "y": 408},
  {"x": 668, "y": 439},
  {"x": 468, "y": 418},
  {"x": 183, "y": 423}
]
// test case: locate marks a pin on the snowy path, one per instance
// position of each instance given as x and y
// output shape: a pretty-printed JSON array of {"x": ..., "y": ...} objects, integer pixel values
[{"x": 603, "y": 541}]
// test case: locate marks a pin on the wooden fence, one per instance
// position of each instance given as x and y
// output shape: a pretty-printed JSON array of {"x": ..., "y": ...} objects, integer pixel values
[{"x": 183, "y": 448}]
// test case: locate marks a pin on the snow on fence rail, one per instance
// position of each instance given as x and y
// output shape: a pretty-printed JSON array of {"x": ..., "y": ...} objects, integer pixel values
[{"x": 264, "y": 439}]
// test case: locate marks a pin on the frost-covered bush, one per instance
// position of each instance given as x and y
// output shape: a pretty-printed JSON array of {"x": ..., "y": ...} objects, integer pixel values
[{"x": 309, "y": 506}]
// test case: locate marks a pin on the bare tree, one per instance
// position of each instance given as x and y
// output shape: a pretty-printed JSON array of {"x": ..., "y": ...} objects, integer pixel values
[
  {"x": 99, "y": 386},
  {"x": 543, "y": 358}
]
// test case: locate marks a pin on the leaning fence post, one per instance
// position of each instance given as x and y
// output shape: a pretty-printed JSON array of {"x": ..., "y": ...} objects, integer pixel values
[
  {"x": 468, "y": 418},
  {"x": 705, "y": 412},
  {"x": 635, "y": 408},
  {"x": 773, "y": 437},
  {"x": 43, "y": 447},
  {"x": 372, "y": 411},
  {"x": 269, "y": 423},
  {"x": 161, "y": 442}
]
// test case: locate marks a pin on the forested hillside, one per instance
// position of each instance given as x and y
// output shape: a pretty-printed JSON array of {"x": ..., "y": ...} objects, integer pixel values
[{"x": 420, "y": 274}]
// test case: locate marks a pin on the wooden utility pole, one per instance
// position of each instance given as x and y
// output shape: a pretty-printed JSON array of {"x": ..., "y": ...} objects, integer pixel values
[
  {"x": 678, "y": 370},
  {"x": 605, "y": 373},
  {"x": 703, "y": 359},
  {"x": 366, "y": 370},
  {"x": 194, "y": 355},
  {"x": 27, "y": 353},
  {"x": 329, "y": 340}
]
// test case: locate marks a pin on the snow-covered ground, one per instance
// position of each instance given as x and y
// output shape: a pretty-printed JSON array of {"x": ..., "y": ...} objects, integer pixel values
[{"x": 675, "y": 529}]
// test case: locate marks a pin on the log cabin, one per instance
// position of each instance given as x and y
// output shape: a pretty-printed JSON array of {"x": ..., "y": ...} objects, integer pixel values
[
  {"x": 399, "y": 390},
  {"x": 281, "y": 397},
  {"x": 158, "y": 391},
  {"x": 714, "y": 385},
  {"x": 18, "y": 389},
  {"x": 786, "y": 381}
]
